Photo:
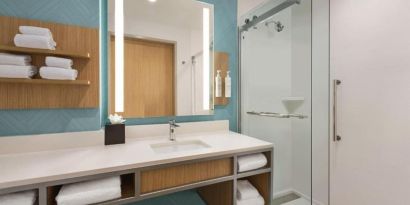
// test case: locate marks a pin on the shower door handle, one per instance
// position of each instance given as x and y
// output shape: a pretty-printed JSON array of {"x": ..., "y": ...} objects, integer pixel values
[{"x": 336, "y": 137}]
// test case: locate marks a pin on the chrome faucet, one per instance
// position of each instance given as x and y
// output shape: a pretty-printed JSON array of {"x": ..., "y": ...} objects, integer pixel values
[{"x": 172, "y": 126}]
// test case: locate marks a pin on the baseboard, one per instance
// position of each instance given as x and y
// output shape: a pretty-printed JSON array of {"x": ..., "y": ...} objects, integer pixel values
[
  {"x": 300, "y": 194},
  {"x": 283, "y": 193}
]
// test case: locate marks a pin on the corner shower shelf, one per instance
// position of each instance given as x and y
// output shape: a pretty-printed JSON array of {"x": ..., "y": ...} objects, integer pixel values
[
  {"x": 45, "y": 81},
  {"x": 33, "y": 51}
]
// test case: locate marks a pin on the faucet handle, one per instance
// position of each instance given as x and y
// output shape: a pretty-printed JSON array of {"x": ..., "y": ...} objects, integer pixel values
[{"x": 173, "y": 123}]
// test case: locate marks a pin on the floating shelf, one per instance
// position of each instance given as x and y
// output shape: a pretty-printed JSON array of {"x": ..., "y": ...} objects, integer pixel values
[
  {"x": 13, "y": 49},
  {"x": 45, "y": 81}
]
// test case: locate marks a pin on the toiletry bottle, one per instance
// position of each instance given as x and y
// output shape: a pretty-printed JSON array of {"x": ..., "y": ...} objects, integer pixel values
[
  {"x": 218, "y": 86},
  {"x": 228, "y": 85}
]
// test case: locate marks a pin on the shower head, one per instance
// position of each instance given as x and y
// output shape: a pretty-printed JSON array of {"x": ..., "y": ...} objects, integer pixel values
[{"x": 278, "y": 25}]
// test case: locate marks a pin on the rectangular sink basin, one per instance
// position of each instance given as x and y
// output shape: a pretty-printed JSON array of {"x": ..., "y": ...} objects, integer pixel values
[{"x": 178, "y": 146}]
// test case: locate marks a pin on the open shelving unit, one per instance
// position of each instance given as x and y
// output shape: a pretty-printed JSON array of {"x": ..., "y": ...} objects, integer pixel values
[
  {"x": 81, "y": 44},
  {"x": 44, "y": 52},
  {"x": 45, "y": 81},
  {"x": 214, "y": 178}
]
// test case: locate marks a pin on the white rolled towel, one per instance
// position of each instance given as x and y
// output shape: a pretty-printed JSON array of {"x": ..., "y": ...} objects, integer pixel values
[
  {"x": 33, "y": 30},
  {"x": 245, "y": 190},
  {"x": 54, "y": 73},
  {"x": 90, "y": 192},
  {"x": 251, "y": 162},
  {"x": 17, "y": 71},
  {"x": 34, "y": 41},
  {"x": 59, "y": 62},
  {"x": 11, "y": 59},
  {"x": 19, "y": 198},
  {"x": 252, "y": 201}
]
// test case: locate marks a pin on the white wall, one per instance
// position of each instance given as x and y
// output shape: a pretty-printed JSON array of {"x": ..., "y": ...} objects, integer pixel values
[
  {"x": 320, "y": 101},
  {"x": 370, "y": 54},
  {"x": 301, "y": 87}
]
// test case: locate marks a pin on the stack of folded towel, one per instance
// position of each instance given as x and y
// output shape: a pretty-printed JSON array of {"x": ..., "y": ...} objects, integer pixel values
[
  {"x": 58, "y": 69},
  {"x": 16, "y": 66},
  {"x": 90, "y": 192},
  {"x": 19, "y": 198},
  {"x": 246, "y": 194},
  {"x": 35, "y": 37},
  {"x": 251, "y": 162}
]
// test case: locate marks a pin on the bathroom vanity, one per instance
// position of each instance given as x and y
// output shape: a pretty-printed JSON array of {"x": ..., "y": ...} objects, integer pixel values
[{"x": 148, "y": 167}]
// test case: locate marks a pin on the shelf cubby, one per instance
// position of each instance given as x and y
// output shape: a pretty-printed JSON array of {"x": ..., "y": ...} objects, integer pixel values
[
  {"x": 45, "y": 52},
  {"x": 45, "y": 81}
]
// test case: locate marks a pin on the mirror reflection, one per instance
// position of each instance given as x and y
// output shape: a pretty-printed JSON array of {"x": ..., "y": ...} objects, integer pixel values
[{"x": 161, "y": 58}]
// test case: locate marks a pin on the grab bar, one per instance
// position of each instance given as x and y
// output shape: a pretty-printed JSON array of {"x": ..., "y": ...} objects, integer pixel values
[{"x": 277, "y": 115}]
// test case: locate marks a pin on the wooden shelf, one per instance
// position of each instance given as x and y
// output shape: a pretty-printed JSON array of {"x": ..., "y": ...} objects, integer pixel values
[
  {"x": 33, "y": 51},
  {"x": 45, "y": 81}
]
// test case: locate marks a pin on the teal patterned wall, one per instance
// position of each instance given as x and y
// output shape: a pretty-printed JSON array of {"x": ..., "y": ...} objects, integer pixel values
[{"x": 87, "y": 13}]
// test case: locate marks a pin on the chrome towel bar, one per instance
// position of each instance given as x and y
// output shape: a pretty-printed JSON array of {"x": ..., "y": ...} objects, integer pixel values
[{"x": 277, "y": 115}]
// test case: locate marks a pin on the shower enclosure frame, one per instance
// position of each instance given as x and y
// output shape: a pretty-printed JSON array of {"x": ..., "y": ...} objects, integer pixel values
[
  {"x": 249, "y": 24},
  {"x": 321, "y": 86}
]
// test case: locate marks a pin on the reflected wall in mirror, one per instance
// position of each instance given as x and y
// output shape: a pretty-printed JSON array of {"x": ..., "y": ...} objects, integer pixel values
[{"x": 161, "y": 58}]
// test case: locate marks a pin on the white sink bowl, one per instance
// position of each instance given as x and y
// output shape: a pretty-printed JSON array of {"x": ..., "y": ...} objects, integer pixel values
[{"x": 178, "y": 146}]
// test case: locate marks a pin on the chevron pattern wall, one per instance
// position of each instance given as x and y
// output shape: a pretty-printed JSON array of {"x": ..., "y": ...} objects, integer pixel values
[
  {"x": 24, "y": 122},
  {"x": 76, "y": 12}
]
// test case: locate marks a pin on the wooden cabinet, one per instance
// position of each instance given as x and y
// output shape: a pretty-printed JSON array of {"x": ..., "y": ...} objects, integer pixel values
[
  {"x": 214, "y": 178},
  {"x": 174, "y": 176}
]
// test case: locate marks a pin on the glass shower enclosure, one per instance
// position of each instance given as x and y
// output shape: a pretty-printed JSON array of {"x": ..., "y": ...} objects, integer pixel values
[{"x": 276, "y": 92}]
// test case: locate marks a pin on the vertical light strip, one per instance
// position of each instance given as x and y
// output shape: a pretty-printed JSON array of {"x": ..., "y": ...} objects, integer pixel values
[
  {"x": 206, "y": 59},
  {"x": 119, "y": 55}
]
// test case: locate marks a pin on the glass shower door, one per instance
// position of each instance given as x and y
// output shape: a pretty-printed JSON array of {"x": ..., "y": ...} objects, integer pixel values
[{"x": 276, "y": 95}]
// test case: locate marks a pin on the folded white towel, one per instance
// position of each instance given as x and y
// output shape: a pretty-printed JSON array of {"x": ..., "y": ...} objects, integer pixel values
[
  {"x": 90, "y": 192},
  {"x": 11, "y": 59},
  {"x": 246, "y": 190},
  {"x": 17, "y": 71},
  {"x": 253, "y": 201},
  {"x": 54, "y": 73},
  {"x": 19, "y": 198},
  {"x": 251, "y": 162},
  {"x": 59, "y": 62},
  {"x": 34, "y": 41},
  {"x": 33, "y": 30}
]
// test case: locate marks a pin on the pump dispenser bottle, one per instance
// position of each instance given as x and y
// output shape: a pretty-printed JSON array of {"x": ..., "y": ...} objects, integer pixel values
[
  {"x": 218, "y": 84},
  {"x": 228, "y": 85}
]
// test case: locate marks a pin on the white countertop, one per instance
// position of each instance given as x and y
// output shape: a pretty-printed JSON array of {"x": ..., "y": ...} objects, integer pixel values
[{"x": 38, "y": 167}]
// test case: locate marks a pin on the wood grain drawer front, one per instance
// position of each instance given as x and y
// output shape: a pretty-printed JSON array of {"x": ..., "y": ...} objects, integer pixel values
[{"x": 169, "y": 177}]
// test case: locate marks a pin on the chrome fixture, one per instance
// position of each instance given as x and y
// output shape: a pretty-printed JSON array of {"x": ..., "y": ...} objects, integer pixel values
[
  {"x": 172, "y": 126},
  {"x": 336, "y": 137},
  {"x": 277, "y": 115},
  {"x": 281, "y": 6},
  {"x": 278, "y": 25}
]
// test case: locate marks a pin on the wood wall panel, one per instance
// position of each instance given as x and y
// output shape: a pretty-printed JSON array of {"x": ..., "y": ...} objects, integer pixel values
[
  {"x": 163, "y": 178},
  {"x": 68, "y": 38},
  {"x": 217, "y": 194},
  {"x": 149, "y": 78},
  {"x": 221, "y": 63},
  {"x": 262, "y": 183}
]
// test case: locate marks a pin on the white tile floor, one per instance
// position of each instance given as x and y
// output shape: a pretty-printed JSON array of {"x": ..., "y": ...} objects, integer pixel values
[{"x": 300, "y": 201}]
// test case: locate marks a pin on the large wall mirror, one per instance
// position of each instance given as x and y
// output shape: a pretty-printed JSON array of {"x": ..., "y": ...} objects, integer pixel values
[{"x": 161, "y": 58}]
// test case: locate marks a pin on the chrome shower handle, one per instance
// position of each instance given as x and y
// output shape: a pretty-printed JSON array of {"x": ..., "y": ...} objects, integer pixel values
[{"x": 336, "y": 137}]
